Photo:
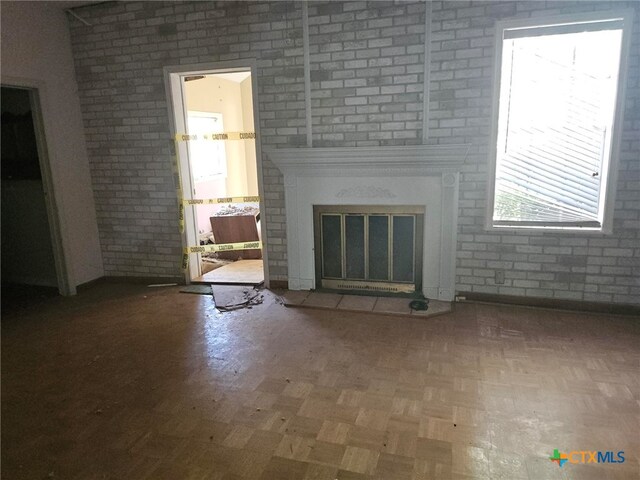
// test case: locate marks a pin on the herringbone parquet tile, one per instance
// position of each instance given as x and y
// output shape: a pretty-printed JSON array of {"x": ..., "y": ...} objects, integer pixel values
[{"x": 129, "y": 383}]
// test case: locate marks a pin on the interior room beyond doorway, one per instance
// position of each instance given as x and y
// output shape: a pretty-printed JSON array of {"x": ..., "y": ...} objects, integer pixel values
[{"x": 222, "y": 103}]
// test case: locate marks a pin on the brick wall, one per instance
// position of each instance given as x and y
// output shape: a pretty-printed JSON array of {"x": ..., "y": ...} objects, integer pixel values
[
  {"x": 367, "y": 64},
  {"x": 119, "y": 64},
  {"x": 367, "y": 77},
  {"x": 569, "y": 266}
]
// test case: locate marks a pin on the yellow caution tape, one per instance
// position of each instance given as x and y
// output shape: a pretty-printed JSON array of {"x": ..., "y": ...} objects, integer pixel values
[
  {"x": 178, "y": 180},
  {"x": 222, "y": 247},
  {"x": 215, "y": 201},
  {"x": 182, "y": 137},
  {"x": 181, "y": 217}
]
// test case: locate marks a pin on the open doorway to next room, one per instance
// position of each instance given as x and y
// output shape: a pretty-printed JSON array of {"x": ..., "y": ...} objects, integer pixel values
[{"x": 219, "y": 120}]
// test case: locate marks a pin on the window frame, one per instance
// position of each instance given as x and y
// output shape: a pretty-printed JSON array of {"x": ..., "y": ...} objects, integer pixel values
[
  {"x": 222, "y": 174},
  {"x": 606, "y": 227}
]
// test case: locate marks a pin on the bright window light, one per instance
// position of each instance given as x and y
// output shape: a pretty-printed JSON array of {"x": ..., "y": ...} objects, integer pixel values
[
  {"x": 208, "y": 157},
  {"x": 557, "y": 98}
]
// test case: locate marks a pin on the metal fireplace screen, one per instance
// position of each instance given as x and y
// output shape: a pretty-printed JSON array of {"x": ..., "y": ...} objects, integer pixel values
[{"x": 368, "y": 248}]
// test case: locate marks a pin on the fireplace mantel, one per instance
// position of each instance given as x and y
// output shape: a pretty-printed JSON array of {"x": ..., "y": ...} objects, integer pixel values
[
  {"x": 394, "y": 175},
  {"x": 412, "y": 158}
]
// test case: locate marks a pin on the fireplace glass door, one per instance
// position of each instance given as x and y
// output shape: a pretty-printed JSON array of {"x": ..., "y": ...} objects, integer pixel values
[{"x": 369, "y": 248}]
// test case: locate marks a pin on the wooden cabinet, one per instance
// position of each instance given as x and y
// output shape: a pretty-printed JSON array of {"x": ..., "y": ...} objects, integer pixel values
[{"x": 234, "y": 229}]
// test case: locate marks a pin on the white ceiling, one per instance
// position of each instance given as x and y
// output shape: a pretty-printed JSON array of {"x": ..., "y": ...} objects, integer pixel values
[{"x": 234, "y": 76}]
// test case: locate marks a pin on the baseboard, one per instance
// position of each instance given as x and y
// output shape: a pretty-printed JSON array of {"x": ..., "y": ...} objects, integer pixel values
[
  {"x": 143, "y": 280},
  {"x": 279, "y": 284},
  {"x": 556, "y": 303}
]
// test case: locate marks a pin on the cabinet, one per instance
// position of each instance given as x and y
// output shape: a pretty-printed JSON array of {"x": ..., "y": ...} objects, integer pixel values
[{"x": 234, "y": 229}]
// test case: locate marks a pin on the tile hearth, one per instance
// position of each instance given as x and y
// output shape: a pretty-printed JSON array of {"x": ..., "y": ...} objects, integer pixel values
[{"x": 361, "y": 303}]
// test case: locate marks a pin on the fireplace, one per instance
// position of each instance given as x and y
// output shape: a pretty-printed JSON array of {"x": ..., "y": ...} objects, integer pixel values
[
  {"x": 370, "y": 178},
  {"x": 368, "y": 248}
]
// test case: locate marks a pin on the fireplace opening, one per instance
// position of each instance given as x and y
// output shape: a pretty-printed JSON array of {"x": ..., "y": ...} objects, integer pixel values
[{"x": 367, "y": 248}]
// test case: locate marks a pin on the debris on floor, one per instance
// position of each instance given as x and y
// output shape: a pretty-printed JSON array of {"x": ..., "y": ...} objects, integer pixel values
[
  {"x": 234, "y": 210},
  {"x": 232, "y": 297}
]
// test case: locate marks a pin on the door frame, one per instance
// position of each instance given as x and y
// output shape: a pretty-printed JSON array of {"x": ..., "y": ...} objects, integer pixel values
[
  {"x": 177, "y": 113},
  {"x": 37, "y": 90}
]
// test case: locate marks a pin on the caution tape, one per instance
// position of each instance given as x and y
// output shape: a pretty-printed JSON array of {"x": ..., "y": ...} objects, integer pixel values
[
  {"x": 223, "y": 247},
  {"x": 226, "y": 247},
  {"x": 182, "y": 137},
  {"x": 178, "y": 181},
  {"x": 181, "y": 217},
  {"x": 216, "y": 201}
]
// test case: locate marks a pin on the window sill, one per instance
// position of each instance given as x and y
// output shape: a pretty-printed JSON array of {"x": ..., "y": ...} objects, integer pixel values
[{"x": 567, "y": 230}]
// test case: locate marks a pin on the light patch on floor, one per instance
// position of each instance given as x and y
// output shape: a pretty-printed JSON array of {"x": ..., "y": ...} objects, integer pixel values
[
  {"x": 362, "y": 303},
  {"x": 241, "y": 272}
]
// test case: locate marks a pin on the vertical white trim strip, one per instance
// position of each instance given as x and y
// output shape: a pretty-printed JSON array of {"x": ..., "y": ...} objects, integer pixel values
[
  {"x": 618, "y": 124},
  {"x": 307, "y": 72},
  {"x": 427, "y": 71},
  {"x": 449, "y": 235},
  {"x": 65, "y": 274}
]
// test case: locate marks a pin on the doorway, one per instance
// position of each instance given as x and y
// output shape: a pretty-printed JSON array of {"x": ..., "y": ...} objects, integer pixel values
[
  {"x": 29, "y": 267},
  {"x": 214, "y": 120}
]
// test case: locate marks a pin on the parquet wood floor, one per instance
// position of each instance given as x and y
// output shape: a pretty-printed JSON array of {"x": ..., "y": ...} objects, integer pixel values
[{"x": 125, "y": 382}]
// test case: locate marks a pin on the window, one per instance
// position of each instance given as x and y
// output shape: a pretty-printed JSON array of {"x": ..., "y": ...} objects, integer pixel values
[
  {"x": 207, "y": 157},
  {"x": 556, "y": 127}
]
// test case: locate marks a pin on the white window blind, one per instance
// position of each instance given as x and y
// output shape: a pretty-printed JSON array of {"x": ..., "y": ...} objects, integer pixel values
[{"x": 556, "y": 109}]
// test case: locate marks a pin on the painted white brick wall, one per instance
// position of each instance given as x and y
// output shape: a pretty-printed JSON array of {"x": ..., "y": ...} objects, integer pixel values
[
  {"x": 367, "y": 64},
  {"x": 568, "y": 266},
  {"x": 119, "y": 61}
]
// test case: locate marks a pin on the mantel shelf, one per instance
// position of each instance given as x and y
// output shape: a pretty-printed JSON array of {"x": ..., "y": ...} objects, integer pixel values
[{"x": 436, "y": 158}]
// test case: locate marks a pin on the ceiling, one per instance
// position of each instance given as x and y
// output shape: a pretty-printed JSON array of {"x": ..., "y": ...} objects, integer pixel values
[{"x": 234, "y": 76}]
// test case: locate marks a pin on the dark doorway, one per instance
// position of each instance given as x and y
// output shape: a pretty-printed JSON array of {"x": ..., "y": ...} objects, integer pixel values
[{"x": 27, "y": 251}]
